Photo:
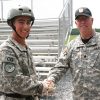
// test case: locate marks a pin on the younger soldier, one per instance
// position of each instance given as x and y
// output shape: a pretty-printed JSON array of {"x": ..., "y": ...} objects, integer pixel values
[{"x": 18, "y": 80}]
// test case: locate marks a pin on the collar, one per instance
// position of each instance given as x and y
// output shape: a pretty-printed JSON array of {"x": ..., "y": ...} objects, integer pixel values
[
  {"x": 15, "y": 43},
  {"x": 91, "y": 42}
]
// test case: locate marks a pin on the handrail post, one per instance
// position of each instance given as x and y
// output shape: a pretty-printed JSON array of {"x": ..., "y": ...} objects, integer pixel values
[
  {"x": 1, "y": 10},
  {"x": 65, "y": 23}
]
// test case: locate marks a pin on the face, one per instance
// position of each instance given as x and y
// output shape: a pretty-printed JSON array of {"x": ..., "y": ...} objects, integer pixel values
[
  {"x": 84, "y": 24},
  {"x": 23, "y": 25}
]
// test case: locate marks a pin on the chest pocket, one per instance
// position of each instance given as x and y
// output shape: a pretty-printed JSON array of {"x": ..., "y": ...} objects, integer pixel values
[
  {"x": 24, "y": 61},
  {"x": 86, "y": 57},
  {"x": 26, "y": 64},
  {"x": 76, "y": 56}
]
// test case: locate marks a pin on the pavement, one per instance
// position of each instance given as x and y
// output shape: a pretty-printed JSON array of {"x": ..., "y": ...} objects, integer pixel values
[{"x": 63, "y": 89}]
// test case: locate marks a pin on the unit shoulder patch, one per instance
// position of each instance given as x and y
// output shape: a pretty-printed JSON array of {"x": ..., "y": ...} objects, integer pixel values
[{"x": 9, "y": 67}]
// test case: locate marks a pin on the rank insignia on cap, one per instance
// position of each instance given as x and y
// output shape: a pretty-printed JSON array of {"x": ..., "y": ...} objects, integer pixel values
[
  {"x": 9, "y": 67},
  {"x": 81, "y": 10}
]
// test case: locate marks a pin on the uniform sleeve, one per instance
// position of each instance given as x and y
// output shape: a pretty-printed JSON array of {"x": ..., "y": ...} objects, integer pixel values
[
  {"x": 13, "y": 79},
  {"x": 61, "y": 67}
]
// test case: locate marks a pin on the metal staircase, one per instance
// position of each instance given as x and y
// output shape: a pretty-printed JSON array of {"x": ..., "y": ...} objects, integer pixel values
[
  {"x": 43, "y": 41},
  {"x": 46, "y": 38}
]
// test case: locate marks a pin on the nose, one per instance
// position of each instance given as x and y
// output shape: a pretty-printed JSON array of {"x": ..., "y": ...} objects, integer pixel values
[{"x": 82, "y": 21}]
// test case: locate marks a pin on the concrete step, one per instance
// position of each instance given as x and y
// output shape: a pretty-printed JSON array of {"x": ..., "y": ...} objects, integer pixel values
[
  {"x": 44, "y": 49},
  {"x": 43, "y": 36},
  {"x": 43, "y": 45},
  {"x": 5, "y": 31},
  {"x": 34, "y": 36},
  {"x": 45, "y": 54},
  {"x": 42, "y": 42},
  {"x": 45, "y": 58},
  {"x": 39, "y": 42},
  {"x": 32, "y": 33},
  {"x": 5, "y": 26},
  {"x": 43, "y": 69},
  {"x": 45, "y": 63},
  {"x": 33, "y": 30},
  {"x": 46, "y": 22},
  {"x": 3, "y": 37},
  {"x": 33, "y": 27}
]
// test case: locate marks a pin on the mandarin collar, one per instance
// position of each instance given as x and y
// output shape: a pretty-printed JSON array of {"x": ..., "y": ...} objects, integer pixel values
[
  {"x": 91, "y": 42},
  {"x": 19, "y": 46}
]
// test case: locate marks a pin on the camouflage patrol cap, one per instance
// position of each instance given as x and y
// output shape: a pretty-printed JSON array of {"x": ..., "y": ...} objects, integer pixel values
[{"x": 82, "y": 11}]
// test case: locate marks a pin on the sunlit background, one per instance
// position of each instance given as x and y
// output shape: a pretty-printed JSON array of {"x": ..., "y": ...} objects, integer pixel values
[{"x": 50, "y": 8}]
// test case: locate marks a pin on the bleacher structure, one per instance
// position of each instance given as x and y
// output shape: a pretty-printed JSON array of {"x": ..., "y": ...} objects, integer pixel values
[{"x": 46, "y": 38}]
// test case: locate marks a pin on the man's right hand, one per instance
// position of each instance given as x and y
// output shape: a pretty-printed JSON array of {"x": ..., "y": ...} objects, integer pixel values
[{"x": 48, "y": 86}]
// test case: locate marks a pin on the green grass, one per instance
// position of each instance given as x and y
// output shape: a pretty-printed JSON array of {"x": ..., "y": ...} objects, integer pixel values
[{"x": 71, "y": 38}]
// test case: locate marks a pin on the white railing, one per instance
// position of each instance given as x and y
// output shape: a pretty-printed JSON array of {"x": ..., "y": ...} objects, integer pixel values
[{"x": 65, "y": 23}]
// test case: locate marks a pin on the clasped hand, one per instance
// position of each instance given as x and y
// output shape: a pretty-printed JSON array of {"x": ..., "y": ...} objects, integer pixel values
[{"x": 48, "y": 86}]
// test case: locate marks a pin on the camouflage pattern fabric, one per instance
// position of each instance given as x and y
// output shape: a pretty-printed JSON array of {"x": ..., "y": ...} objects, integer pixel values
[
  {"x": 17, "y": 71},
  {"x": 83, "y": 60}
]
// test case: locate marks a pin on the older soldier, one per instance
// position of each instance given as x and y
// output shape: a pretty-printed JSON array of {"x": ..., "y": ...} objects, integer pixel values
[
  {"x": 18, "y": 80},
  {"x": 82, "y": 56}
]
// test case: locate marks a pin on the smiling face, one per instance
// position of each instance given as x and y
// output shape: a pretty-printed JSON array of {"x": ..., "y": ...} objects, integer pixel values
[
  {"x": 84, "y": 24},
  {"x": 22, "y": 25}
]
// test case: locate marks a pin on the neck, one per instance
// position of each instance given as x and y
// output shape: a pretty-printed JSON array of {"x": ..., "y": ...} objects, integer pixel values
[
  {"x": 87, "y": 35},
  {"x": 20, "y": 40}
]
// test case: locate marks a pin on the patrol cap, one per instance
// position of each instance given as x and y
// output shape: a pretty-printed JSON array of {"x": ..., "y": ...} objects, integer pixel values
[{"x": 82, "y": 11}]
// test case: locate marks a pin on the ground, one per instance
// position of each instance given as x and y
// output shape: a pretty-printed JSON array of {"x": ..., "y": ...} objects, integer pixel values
[{"x": 63, "y": 89}]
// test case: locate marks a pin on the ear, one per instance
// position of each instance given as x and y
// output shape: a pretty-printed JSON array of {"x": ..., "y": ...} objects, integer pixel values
[
  {"x": 75, "y": 22},
  {"x": 92, "y": 19}
]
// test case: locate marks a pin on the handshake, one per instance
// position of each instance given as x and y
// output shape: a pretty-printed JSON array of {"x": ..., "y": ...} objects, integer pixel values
[{"x": 48, "y": 87}]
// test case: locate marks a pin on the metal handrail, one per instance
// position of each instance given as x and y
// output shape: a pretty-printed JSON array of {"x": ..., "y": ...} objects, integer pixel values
[
  {"x": 65, "y": 24},
  {"x": 63, "y": 8}
]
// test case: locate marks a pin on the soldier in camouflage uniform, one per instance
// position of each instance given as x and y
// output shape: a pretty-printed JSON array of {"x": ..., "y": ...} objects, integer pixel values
[
  {"x": 18, "y": 80},
  {"x": 82, "y": 57}
]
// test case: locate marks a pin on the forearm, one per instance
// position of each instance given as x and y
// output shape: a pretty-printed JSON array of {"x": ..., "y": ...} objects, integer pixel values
[
  {"x": 23, "y": 85},
  {"x": 57, "y": 72}
]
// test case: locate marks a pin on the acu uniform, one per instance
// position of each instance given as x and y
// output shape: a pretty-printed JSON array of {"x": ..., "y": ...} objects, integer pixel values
[
  {"x": 84, "y": 63},
  {"x": 18, "y": 80}
]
